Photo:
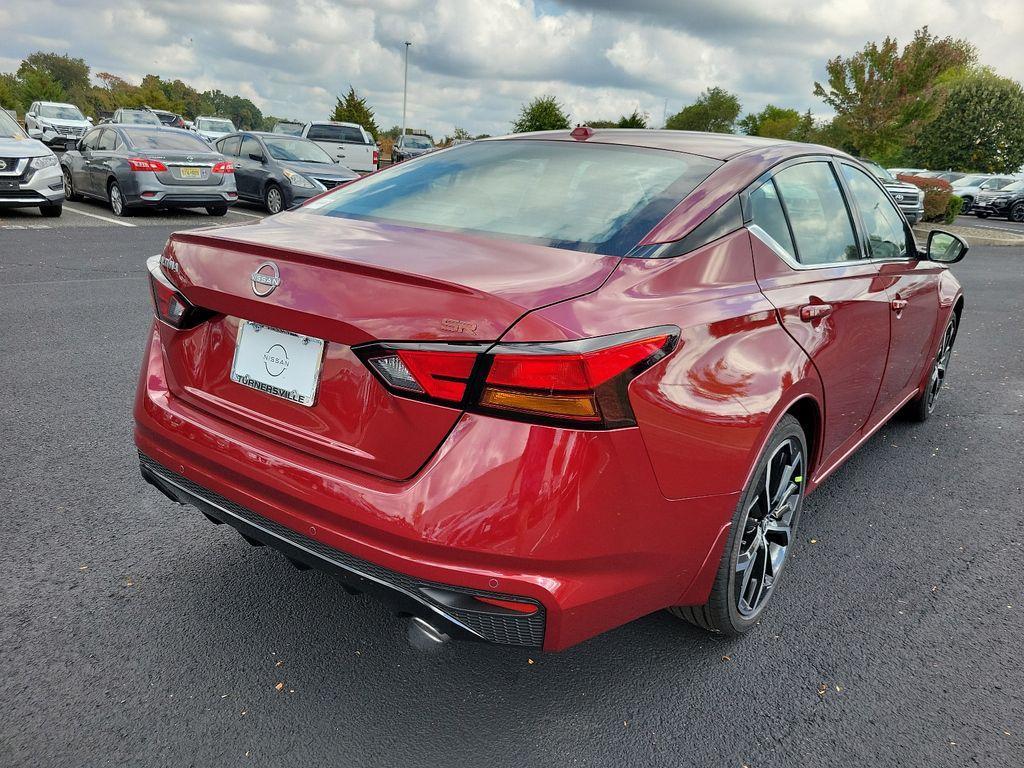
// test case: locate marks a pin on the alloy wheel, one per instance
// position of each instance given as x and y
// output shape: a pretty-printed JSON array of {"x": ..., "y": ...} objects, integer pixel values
[
  {"x": 768, "y": 527},
  {"x": 1017, "y": 213},
  {"x": 69, "y": 189},
  {"x": 941, "y": 364},
  {"x": 116, "y": 201},
  {"x": 274, "y": 200}
]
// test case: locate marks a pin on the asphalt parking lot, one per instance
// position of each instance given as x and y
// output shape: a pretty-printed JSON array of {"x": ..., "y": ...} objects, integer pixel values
[{"x": 133, "y": 632}]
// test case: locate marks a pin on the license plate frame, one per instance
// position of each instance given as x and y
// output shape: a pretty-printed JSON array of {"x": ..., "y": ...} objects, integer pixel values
[
  {"x": 188, "y": 172},
  {"x": 291, "y": 362}
]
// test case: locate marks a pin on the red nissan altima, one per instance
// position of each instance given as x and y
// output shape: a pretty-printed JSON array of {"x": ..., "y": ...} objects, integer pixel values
[{"x": 529, "y": 389}]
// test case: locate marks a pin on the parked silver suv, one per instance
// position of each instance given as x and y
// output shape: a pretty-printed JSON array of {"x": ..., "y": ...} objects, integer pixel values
[
  {"x": 53, "y": 122},
  {"x": 29, "y": 171}
]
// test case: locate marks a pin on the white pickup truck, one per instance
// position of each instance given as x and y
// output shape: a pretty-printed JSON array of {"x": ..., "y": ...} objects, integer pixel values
[{"x": 349, "y": 144}]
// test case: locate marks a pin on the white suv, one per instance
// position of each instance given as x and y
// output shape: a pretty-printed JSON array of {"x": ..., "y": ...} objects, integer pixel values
[
  {"x": 29, "y": 172},
  {"x": 54, "y": 123},
  {"x": 349, "y": 144}
]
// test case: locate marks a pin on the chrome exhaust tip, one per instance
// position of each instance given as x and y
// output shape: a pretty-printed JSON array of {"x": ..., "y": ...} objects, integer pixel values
[{"x": 424, "y": 636}]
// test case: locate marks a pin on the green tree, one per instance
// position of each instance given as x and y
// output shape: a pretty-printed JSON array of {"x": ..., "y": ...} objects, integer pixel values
[
  {"x": 883, "y": 96},
  {"x": 635, "y": 120},
  {"x": 70, "y": 73},
  {"x": 10, "y": 91},
  {"x": 980, "y": 127},
  {"x": 779, "y": 123},
  {"x": 715, "y": 110},
  {"x": 353, "y": 109},
  {"x": 37, "y": 85},
  {"x": 544, "y": 113},
  {"x": 602, "y": 123}
]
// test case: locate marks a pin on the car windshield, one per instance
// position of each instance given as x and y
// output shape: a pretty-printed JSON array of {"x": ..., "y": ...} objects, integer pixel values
[
  {"x": 969, "y": 181},
  {"x": 879, "y": 171},
  {"x": 138, "y": 117},
  {"x": 289, "y": 129},
  {"x": 299, "y": 150},
  {"x": 60, "y": 112},
  {"x": 215, "y": 126},
  {"x": 166, "y": 138},
  {"x": 599, "y": 198},
  {"x": 9, "y": 128},
  {"x": 417, "y": 142},
  {"x": 1016, "y": 186}
]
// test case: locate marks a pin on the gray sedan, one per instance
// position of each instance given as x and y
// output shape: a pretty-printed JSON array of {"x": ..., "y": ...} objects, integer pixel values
[
  {"x": 137, "y": 166},
  {"x": 281, "y": 171}
]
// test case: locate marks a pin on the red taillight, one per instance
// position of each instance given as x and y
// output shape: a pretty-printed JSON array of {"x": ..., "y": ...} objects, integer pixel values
[
  {"x": 580, "y": 382},
  {"x": 169, "y": 305},
  {"x": 376, "y": 158},
  {"x": 224, "y": 167},
  {"x": 142, "y": 164}
]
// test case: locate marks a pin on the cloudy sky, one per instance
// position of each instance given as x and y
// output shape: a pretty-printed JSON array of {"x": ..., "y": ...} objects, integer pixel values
[{"x": 473, "y": 62}]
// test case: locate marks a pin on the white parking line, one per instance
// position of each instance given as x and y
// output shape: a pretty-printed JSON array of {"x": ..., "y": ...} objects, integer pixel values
[
  {"x": 250, "y": 215},
  {"x": 97, "y": 216}
]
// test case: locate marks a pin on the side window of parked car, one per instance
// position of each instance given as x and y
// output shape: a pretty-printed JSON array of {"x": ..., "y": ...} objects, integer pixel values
[
  {"x": 107, "y": 142},
  {"x": 91, "y": 140},
  {"x": 887, "y": 238},
  {"x": 250, "y": 147},
  {"x": 766, "y": 212},
  {"x": 229, "y": 146},
  {"x": 817, "y": 214}
]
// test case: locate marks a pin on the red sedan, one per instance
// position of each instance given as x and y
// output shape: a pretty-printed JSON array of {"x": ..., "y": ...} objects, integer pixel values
[{"x": 532, "y": 388}]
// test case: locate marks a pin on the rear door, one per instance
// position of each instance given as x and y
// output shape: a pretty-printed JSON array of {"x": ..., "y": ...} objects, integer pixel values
[
  {"x": 81, "y": 176},
  {"x": 229, "y": 147},
  {"x": 253, "y": 171},
  {"x": 809, "y": 263},
  {"x": 98, "y": 165},
  {"x": 911, "y": 284}
]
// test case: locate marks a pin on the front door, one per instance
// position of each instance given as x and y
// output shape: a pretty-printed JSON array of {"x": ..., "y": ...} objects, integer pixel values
[{"x": 809, "y": 264}]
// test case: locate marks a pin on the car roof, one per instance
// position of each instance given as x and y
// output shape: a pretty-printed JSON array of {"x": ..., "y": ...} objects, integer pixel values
[
  {"x": 718, "y": 146},
  {"x": 333, "y": 122},
  {"x": 57, "y": 104}
]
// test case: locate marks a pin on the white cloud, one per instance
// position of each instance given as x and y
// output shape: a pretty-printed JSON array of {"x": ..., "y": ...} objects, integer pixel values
[{"x": 473, "y": 62}]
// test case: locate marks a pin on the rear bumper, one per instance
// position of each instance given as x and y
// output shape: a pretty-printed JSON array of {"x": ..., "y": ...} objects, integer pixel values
[{"x": 573, "y": 522}]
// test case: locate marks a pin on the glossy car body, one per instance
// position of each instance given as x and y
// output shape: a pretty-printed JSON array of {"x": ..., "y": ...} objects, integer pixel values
[
  {"x": 29, "y": 171},
  {"x": 110, "y": 153},
  {"x": 1007, "y": 202},
  {"x": 410, "y": 146},
  {"x": 969, "y": 187},
  {"x": 53, "y": 122},
  {"x": 351, "y": 145},
  {"x": 129, "y": 116},
  {"x": 566, "y": 531},
  {"x": 262, "y": 160}
]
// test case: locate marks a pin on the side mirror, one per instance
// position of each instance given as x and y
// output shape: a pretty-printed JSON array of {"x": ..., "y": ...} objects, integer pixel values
[
  {"x": 70, "y": 145},
  {"x": 945, "y": 247},
  {"x": 31, "y": 114},
  {"x": 89, "y": 119},
  {"x": 257, "y": 157}
]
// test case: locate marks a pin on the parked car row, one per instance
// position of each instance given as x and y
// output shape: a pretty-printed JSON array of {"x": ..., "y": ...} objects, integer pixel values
[
  {"x": 29, "y": 171},
  {"x": 982, "y": 193}
]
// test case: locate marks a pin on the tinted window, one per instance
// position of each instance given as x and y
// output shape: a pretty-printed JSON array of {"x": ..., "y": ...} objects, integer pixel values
[
  {"x": 766, "y": 212},
  {"x": 230, "y": 145},
  {"x": 345, "y": 133},
  {"x": 91, "y": 139},
  {"x": 214, "y": 125},
  {"x": 251, "y": 147},
  {"x": 817, "y": 214},
  {"x": 416, "y": 142},
  {"x": 882, "y": 222},
  {"x": 137, "y": 117},
  {"x": 166, "y": 138},
  {"x": 107, "y": 142},
  {"x": 586, "y": 197}
]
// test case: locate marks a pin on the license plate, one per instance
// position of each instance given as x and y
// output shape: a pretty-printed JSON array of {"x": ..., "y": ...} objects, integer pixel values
[
  {"x": 279, "y": 363},
  {"x": 191, "y": 173}
]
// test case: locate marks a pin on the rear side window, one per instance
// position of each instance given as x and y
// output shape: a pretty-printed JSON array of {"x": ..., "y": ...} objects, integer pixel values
[
  {"x": 599, "y": 198},
  {"x": 766, "y": 212},
  {"x": 882, "y": 223},
  {"x": 344, "y": 133},
  {"x": 229, "y": 146},
  {"x": 817, "y": 214},
  {"x": 250, "y": 147},
  {"x": 107, "y": 142}
]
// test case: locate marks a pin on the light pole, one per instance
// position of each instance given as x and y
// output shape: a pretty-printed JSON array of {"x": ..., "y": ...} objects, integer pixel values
[{"x": 405, "y": 89}]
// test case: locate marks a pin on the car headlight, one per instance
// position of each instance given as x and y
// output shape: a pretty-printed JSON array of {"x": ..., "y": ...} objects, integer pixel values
[
  {"x": 298, "y": 180},
  {"x": 46, "y": 161}
]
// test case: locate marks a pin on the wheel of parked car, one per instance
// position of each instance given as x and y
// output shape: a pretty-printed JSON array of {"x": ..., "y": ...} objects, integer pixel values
[
  {"x": 217, "y": 210},
  {"x": 69, "y": 186},
  {"x": 921, "y": 408},
  {"x": 116, "y": 199},
  {"x": 273, "y": 199},
  {"x": 762, "y": 536},
  {"x": 1017, "y": 212},
  {"x": 981, "y": 214},
  {"x": 51, "y": 211},
  {"x": 968, "y": 202}
]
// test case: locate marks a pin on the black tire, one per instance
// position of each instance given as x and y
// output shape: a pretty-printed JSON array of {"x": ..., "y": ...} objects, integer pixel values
[
  {"x": 69, "y": 185},
  {"x": 1017, "y": 213},
  {"x": 921, "y": 407},
  {"x": 273, "y": 199},
  {"x": 217, "y": 210},
  {"x": 51, "y": 211},
  {"x": 981, "y": 214},
  {"x": 116, "y": 199},
  {"x": 968, "y": 202},
  {"x": 752, "y": 525}
]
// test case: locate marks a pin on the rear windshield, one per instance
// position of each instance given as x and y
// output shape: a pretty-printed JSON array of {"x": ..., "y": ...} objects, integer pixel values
[
  {"x": 171, "y": 138},
  {"x": 344, "y": 133},
  {"x": 215, "y": 126},
  {"x": 137, "y": 117},
  {"x": 418, "y": 142},
  {"x": 585, "y": 197}
]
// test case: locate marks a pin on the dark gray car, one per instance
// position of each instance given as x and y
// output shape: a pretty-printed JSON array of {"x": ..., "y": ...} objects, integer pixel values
[
  {"x": 280, "y": 171},
  {"x": 136, "y": 166}
]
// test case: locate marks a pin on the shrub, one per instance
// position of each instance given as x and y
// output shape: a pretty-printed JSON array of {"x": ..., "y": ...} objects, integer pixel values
[
  {"x": 936, "y": 195},
  {"x": 953, "y": 208}
]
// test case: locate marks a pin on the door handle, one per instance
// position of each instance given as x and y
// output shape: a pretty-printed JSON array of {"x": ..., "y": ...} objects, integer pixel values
[
  {"x": 811, "y": 312},
  {"x": 898, "y": 305}
]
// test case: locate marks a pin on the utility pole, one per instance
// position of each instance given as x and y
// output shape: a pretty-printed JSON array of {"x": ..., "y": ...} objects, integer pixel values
[{"x": 405, "y": 89}]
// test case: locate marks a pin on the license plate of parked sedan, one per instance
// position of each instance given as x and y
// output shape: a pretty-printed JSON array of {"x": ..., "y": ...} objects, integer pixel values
[
  {"x": 280, "y": 363},
  {"x": 191, "y": 173}
]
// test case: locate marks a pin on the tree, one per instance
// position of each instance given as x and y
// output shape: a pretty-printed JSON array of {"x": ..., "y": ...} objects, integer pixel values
[
  {"x": 10, "y": 91},
  {"x": 980, "y": 127},
  {"x": 353, "y": 109},
  {"x": 635, "y": 120},
  {"x": 883, "y": 97},
  {"x": 779, "y": 123},
  {"x": 37, "y": 85},
  {"x": 715, "y": 110},
  {"x": 69, "y": 73},
  {"x": 544, "y": 113},
  {"x": 602, "y": 123}
]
